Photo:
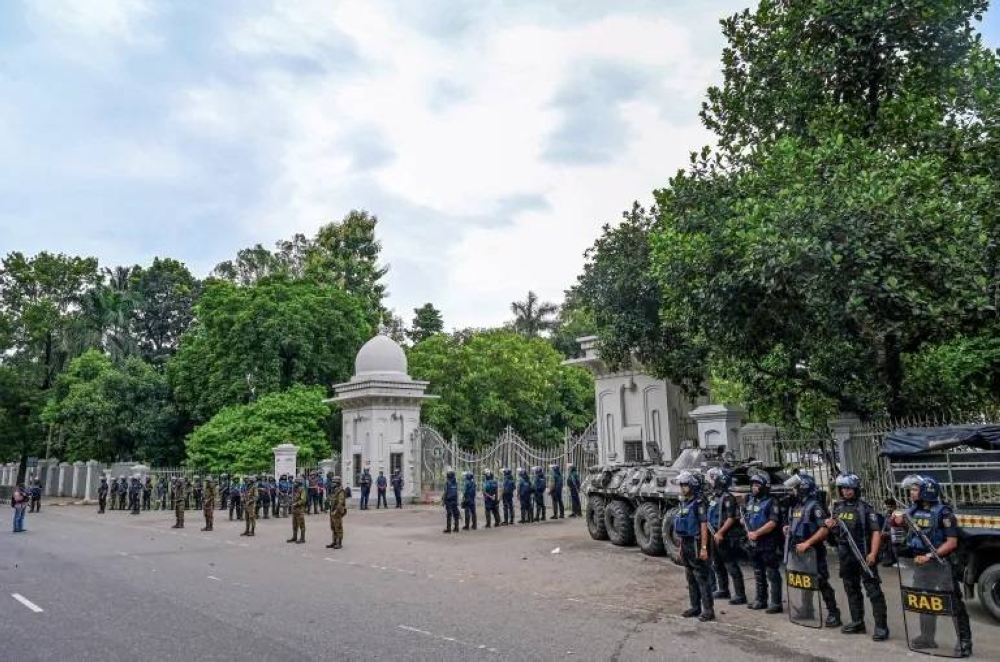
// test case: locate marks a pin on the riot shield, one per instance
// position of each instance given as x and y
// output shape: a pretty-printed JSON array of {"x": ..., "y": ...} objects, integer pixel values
[
  {"x": 805, "y": 607},
  {"x": 928, "y": 607}
]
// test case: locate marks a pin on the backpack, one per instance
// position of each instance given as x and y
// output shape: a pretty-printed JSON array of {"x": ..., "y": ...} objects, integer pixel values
[{"x": 347, "y": 491}]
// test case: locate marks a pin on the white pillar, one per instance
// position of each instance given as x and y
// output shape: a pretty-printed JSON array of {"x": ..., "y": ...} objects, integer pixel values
[
  {"x": 65, "y": 478},
  {"x": 285, "y": 459},
  {"x": 92, "y": 481},
  {"x": 718, "y": 425},
  {"x": 51, "y": 477},
  {"x": 5, "y": 474},
  {"x": 840, "y": 428},
  {"x": 76, "y": 491}
]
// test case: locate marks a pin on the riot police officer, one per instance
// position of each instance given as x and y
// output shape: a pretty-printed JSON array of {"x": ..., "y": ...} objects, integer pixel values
[
  {"x": 691, "y": 527},
  {"x": 469, "y": 501},
  {"x": 762, "y": 518},
  {"x": 724, "y": 525},
  {"x": 855, "y": 521},
  {"x": 236, "y": 499},
  {"x": 573, "y": 483},
  {"x": 147, "y": 493},
  {"x": 539, "y": 494},
  {"x": 524, "y": 492},
  {"x": 806, "y": 529},
  {"x": 114, "y": 494},
  {"x": 491, "y": 498},
  {"x": 929, "y": 520},
  {"x": 224, "y": 491},
  {"x": 509, "y": 486},
  {"x": 397, "y": 487},
  {"x": 450, "y": 501},
  {"x": 558, "y": 509}
]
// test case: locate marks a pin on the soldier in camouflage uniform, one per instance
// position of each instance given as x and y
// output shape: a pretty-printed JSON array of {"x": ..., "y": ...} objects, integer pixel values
[
  {"x": 208, "y": 502},
  {"x": 338, "y": 508},
  {"x": 298, "y": 512},
  {"x": 179, "y": 503},
  {"x": 250, "y": 507}
]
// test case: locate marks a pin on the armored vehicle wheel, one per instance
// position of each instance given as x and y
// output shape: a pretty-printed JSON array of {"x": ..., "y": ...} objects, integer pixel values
[
  {"x": 670, "y": 542},
  {"x": 595, "y": 518},
  {"x": 989, "y": 590},
  {"x": 648, "y": 529},
  {"x": 618, "y": 520}
]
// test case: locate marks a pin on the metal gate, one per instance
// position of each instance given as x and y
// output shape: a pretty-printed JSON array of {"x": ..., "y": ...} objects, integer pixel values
[{"x": 509, "y": 450}]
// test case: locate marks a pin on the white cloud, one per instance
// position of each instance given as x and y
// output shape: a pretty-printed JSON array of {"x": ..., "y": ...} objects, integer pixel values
[{"x": 441, "y": 125}]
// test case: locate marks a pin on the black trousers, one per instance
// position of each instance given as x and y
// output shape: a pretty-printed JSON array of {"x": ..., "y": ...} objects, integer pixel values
[
  {"x": 526, "y": 510},
  {"x": 558, "y": 510},
  {"x": 451, "y": 514},
  {"x": 508, "y": 509},
  {"x": 381, "y": 501},
  {"x": 726, "y": 563},
  {"x": 698, "y": 575},
  {"x": 854, "y": 578},
  {"x": 398, "y": 494},
  {"x": 540, "y": 508},
  {"x": 766, "y": 561},
  {"x": 492, "y": 508}
]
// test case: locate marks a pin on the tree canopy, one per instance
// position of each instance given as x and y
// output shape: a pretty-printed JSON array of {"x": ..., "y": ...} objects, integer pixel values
[
  {"x": 266, "y": 337},
  {"x": 492, "y": 379},
  {"x": 240, "y": 437},
  {"x": 427, "y": 321},
  {"x": 841, "y": 231}
]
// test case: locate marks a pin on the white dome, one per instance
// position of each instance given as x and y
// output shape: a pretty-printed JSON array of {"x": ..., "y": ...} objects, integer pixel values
[{"x": 381, "y": 357}]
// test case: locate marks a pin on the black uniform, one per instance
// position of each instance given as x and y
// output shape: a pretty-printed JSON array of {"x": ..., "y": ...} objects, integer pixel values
[
  {"x": 726, "y": 555},
  {"x": 806, "y": 518},
  {"x": 861, "y": 520}
]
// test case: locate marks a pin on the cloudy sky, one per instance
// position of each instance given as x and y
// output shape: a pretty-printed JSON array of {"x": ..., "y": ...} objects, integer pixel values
[{"x": 492, "y": 139}]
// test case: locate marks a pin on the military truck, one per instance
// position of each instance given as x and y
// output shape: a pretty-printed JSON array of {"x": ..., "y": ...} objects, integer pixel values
[
  {"x": 965, "y": 460},
  {"x": 633, "y": 503}
]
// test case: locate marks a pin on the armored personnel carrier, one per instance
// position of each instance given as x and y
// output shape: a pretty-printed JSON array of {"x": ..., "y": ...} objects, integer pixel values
[{"x": 634, "y": 503}]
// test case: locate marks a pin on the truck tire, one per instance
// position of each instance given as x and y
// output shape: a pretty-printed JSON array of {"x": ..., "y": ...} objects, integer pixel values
[
  {"x": 670, "y": 542},
  {"x": 648, "y": 529},
  {"x": 595, "y": 518},
  {"x": 989, "y": 590},
  {"x": 618, "y": 521}
]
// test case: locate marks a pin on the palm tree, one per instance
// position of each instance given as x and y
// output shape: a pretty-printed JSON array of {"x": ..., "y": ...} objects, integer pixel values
[
  {"x": 531, "y": 317},
  {"x": 108, "y": 310}
]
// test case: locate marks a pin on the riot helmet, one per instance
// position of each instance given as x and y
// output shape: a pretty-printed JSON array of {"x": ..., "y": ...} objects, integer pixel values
[
  {"x": 803, "y": 485},
  {"x": 930, "y": 490},
  {"x": 690, "y": 478},
  {"x": 847, "y": 481},
  {"x": 763, "y": 482},
  {"x": 719, "y": 478}
]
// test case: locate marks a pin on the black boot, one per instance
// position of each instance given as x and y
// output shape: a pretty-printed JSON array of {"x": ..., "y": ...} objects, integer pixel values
[
  {"x": 832, "y": 620},
  {"x": 332, "y": 545},
  {"x": 691, "y": 612},
  {"x": 302, "y": 538},
  {"x": 854, "y": 627},
  {"x": 707, "y": 616},
  {"x": 774, "y": 609}
]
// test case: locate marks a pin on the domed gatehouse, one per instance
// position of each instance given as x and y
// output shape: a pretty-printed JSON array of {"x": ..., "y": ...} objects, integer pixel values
[{"x": 381, "y": 413}]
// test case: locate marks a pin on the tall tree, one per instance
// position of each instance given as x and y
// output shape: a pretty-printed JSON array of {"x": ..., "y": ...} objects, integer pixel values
[
  {"x": 164, "y": 296},
  {"x": 427, "y": 321},
  {"x": 249, "y": 341},
  {"x": 40, "y": 297},
  {"x": 841, "y": 225},
  {"x": 533, "y": 317}
]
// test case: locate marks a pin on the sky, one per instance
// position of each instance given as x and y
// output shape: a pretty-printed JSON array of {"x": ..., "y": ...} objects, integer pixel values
[{"x": 492, "y": 139}]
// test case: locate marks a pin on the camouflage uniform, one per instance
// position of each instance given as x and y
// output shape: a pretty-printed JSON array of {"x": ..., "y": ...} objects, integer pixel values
[
  {"x": 179, "y": 503},
  {"x": 338, "y": 508},
  {"x": 298, "y": 512},
  {"x": 250, "y": 508},
  {"x": 208, "y": 503}
]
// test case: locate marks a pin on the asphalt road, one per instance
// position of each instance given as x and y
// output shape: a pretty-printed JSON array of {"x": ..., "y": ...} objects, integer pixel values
[{"x": 79, "y": 586}]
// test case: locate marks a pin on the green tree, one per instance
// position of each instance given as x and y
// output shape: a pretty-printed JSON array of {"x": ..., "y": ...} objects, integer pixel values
[
  {"x": 240, "y": 438},
  {"x": 497, "y": 378},
  {"x": 842, "y": 223},
  {"x": 533, "y": 317},
  {"x": 113, "y": 412},
  {"x": 250, "y": 341},
  {"x": 343, "y": 254},
  {"x": 21, "y": 429},
  {"x": 427, "y": 321},
  {"x": 40, "y": 298},
  {"x": 164, "y": 295}
]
